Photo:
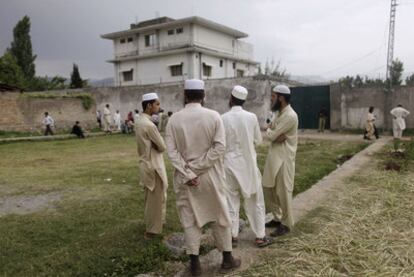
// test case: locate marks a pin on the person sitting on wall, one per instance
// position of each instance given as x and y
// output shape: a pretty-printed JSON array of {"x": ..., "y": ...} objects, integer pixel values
[{"x": 77, "y": 130}]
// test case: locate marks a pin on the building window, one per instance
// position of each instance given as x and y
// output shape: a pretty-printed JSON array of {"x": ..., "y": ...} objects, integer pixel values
[
  {"x": 176, "y": 70},
  {"x": 180, "y": 30},
  {"x": 240, "y": 73},
  {"x": 122, "y": 40},
  {"x": 170, "y": 32},
  {"x": 234, "y": 65},
  {"x": 221, "y": 63},
  {"x": 130, "y": 39},
  {"x": 150, "y": 40},
  {"x": 206, "y": 70},
  {"x": 128, "y": 75}
]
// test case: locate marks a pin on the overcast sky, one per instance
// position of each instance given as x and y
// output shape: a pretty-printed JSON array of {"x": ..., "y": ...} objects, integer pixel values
[{"x": 329, "y": 38}]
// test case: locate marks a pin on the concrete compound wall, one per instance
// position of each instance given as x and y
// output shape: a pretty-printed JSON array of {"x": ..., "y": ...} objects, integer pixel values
[
  {"x": 25, "y": 114},
  {"x": 127, "y": 99},
  {"x": 349, "y": 107},
  {"x": 22, "y": 113}
]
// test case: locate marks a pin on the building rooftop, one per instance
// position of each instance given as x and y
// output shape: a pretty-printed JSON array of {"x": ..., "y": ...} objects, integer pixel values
[{"x": 166, "y": 22}]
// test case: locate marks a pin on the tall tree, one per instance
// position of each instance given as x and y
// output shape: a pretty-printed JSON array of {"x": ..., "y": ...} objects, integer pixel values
[
  {"x": 21, "y": 48},
  {"x": 409, "y": 81},
  {"x": 75, "y": 78},
  {"x": 396, "y": 71},
  {"x": 10, "y": 71}
]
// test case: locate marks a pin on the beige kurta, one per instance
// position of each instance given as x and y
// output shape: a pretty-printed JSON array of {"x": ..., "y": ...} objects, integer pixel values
[
  {"x": 370, "y": 125},
  {"x": 398, "y": 123},
  {"x": 153, "y": 175},
  {"x": 285, "y": 122},
  {"x": 279, "y": 171},
  {"x": 107, "y": 119},
  {"x": 196, "y": 143}
]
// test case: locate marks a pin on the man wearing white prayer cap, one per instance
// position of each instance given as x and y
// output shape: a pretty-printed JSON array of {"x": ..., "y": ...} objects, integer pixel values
[
  {"x": 279, "y": 170},
  {"x": 196, "y": 143},
  {"x": 152, "y": 173},
  {"x": 398, "y": 124},
  {"x": 240, "y": 164}
]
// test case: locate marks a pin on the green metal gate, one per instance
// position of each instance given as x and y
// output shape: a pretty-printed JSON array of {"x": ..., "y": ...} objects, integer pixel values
[{"x": 308, "y": 102}]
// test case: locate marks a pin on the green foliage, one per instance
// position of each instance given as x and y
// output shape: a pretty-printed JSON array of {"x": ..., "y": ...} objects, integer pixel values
[
  {"x": 396, "y": 71},
  {"x": 21, "y": 48},
  {"x": 46, "y": 83},
  {"x": 10, "y": 71},
  {"x": 154, "y": 257},
  {"x": 409, "y": 81},
  {"x": 75, "y": 78}
]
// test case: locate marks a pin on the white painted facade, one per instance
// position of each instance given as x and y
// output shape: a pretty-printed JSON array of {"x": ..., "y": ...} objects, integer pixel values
[{"x": 155, "y": 53}]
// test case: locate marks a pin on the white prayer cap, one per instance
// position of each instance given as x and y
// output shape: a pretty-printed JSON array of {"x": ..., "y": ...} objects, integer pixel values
[
  {"x": 239, "y": 92},
  {"x": 282, "y": 89},
  {"x": 194, "y": 84},
  {"x": 149, "y": 96}
]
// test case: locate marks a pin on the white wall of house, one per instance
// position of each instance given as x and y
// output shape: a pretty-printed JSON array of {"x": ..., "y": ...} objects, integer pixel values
[{"x": 156, "y": 69}]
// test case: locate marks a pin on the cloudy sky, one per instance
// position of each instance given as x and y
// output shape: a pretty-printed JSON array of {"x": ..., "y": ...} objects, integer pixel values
[{"x": 328, "y": 38}]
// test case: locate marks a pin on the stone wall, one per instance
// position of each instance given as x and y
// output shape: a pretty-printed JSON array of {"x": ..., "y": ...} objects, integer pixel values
[
  {"x": 171, "y": 95},
  {"x": 349, "y": 107},
  {"x": 18, "y": 112}
]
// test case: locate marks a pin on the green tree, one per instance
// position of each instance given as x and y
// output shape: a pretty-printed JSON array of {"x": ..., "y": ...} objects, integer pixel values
[
  {"x": 10, "y": 71},
  {"x": 396, "y": 71},
  {"x": 75, "y": 78},
  {"x": 21, "y": 48},
  {"x": 409, "y": 81},
  {"x": 358, "y": 81},
  {"x": 46, "y": 83}
]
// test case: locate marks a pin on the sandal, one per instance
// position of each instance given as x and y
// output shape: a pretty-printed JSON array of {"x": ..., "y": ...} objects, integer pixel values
[{"x": 263, "y": 242}]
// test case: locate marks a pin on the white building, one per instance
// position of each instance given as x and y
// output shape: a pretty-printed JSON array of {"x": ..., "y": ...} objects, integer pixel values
[{"x": 167, "y": 50}]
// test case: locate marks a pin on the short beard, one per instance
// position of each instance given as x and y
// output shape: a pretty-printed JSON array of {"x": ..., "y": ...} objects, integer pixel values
[{"x": 276, "y": 106}]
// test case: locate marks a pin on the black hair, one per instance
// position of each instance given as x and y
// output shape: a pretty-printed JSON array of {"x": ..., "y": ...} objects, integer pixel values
[
  {"x": 194, "y": 95},
  {"x": 286, "y": 96},
  {"x": 236, "y": 101},
  {"x": 146, "y": 103},
  {"x": 46, "y": 113},
  {"x": 170, "y": 113},
  {"x": 136, "y": 111},
  {"x": 371, "y": 109},
  {"x": 107, "y": 105},
  {"x": 399, "y": 105},
  {"x": 77, "y": 122}
]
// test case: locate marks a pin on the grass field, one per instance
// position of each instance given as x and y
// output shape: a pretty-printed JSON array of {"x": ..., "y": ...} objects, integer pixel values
[
  {"x": 97, "y": 228},
  {"x": 366, "y": 228}
]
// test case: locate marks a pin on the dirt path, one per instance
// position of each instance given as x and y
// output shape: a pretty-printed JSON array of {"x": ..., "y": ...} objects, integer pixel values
[
  {"x": 27, "y": 204},
  {"x": 302, "y": 204}
]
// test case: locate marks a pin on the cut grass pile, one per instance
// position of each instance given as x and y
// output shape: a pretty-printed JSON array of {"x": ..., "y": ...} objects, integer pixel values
[
  {"x": 365, "y": 229},
  {"x": 97, "y": 228}
]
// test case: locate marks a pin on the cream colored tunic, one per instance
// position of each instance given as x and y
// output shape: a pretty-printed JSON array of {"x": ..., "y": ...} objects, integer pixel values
[
  {"x": 284, "y": 122},
  {"x": 150, "y": 149},
  {"x": 370, "y": 125},
  {"x": 196, "y": 143},
  {"x": 240, "y": 160}
]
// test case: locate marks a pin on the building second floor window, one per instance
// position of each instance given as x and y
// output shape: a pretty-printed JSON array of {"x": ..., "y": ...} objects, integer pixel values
[
  {"x": 122, "y": 40},
  {"x": 234, "y": 65},
  {"x": 240, "y": 73},
  {"x": 221, "y": 63},
  {"x": 130, "y": 39},
  {"x": 128, "y": 75},
  {"x": 180, "y": 30},
  {"x": 170, "y": 32},
  {"x": 150, "y": 40},
  {"x": 176, "y": 70},
  {"x": 206, "y": 70}
]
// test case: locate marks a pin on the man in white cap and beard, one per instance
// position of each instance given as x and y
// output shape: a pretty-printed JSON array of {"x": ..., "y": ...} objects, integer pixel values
[
  {"x": 279, "y": 170},
  {"x": 196, "y": 143},
  {"x": 152, "y": 173},
  {"x": 398, "y": 124},
  {"x": 240, "y": 164}
]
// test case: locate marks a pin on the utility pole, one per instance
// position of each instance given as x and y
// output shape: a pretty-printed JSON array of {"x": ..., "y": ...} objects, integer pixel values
[{"x": 391, "y": 36}]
